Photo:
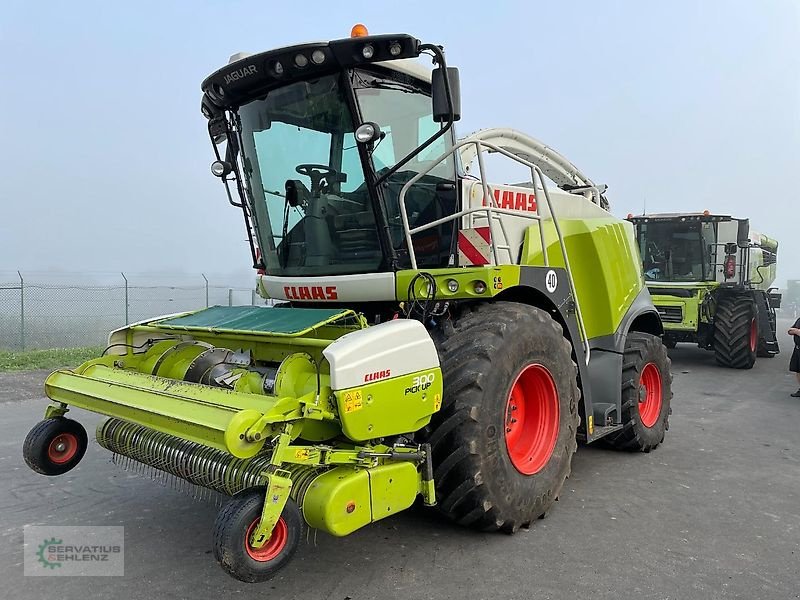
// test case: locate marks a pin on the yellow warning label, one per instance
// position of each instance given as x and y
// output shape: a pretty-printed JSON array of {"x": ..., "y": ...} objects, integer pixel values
[
  {"x": 302, "y": 454},
  {"x": 591, "y": 424},
  {"x": 437, "y": 402},
  {"x": 353, "y": 401}
]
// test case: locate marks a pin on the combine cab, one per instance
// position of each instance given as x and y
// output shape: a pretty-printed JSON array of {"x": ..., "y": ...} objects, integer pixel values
[
  {"x": 710, "y": 278},
  {"x": 435, "y": 335}
]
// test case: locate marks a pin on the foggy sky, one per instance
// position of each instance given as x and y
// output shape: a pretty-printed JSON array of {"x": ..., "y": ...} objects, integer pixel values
[{"x": 687, "y": 105}]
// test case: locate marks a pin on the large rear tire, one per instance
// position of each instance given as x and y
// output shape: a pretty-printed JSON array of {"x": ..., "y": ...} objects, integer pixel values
[
  {"x": 736, "y": 332},
  {"x": 504, "y": 439},
  {"x": 646, "y": 394}
]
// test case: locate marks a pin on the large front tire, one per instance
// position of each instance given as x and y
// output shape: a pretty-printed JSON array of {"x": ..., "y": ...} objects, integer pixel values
[
  {"x": 504, "y": 438},
  {"x": 736, "y": 332},
  {"x": 646, "y": 394}
]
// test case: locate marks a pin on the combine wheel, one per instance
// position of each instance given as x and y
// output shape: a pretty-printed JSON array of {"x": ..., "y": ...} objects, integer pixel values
[
  {"x": 504, "y": 438},
  {"x": 232, "y": 530},
  {"x": 54, "y": 446},
  {"x": 736, "y": 332},
  {"x": 646, "y": 394}
]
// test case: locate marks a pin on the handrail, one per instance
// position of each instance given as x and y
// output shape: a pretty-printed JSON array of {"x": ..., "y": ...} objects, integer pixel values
[{"x": 490, "y": 211}]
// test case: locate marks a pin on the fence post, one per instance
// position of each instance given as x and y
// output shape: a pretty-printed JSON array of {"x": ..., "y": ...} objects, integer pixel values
[
  {"x": 21, "y": 311},
  {"x": 127, "y": 320},
  {"x": 230, "y": 296},
  {"x": 206, "y": 279},
  {"x": 253, "y": 297}
]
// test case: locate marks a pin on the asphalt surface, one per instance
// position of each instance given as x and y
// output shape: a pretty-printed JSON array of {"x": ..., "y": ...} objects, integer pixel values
[{"x": 712, "y": 513}]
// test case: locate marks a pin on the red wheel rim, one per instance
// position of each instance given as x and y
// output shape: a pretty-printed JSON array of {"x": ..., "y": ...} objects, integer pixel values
[
  {"x": 532, "y": 419},
  {"x": 62, "y": 448},
  {"x": 275, "y": 543},
  {"x": 753, "y": 335},
  {"x": 650, "y": 398}
]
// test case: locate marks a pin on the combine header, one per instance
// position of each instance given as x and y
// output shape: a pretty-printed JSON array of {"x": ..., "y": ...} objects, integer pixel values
[{"x": 438, "y": 337}]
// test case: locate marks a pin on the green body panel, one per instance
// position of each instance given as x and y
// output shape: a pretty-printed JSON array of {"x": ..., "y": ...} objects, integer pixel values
[
  {"x": 211, "y": 416},
  {"x": 495, "y": 278},
  {"x": 691, "y": 315},
  {"x": 338, "y": 501},
  {"x": 343, "y": 500},
  {"x": 393, "y": 488},
  {"x": 382, "y": 408},
  {"x": 605, "y": 266}
]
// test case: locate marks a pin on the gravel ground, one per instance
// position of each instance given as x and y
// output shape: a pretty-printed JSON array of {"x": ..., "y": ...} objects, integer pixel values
[{"x": 713, "y": 513}]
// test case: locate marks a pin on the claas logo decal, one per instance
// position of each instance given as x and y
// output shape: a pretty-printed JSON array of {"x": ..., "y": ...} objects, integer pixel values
[
  {"x": 420, "y": 383},
  {"x": 514, "y": 200},
  {"x": 314, "y": 292},
  {"x": 377, "y": 375}
]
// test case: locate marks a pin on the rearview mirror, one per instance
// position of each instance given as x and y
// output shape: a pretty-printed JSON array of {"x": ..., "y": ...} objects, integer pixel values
[
  {"x": 743, "y": 233},
  {"x": 441, "y": 108}
]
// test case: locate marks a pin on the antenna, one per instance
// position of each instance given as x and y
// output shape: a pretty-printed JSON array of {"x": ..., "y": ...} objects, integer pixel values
[{"x": 644, "y": 206}]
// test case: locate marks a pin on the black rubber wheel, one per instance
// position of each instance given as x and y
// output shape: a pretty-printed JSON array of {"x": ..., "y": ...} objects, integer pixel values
[
  {"x": 54, "y": 446},
  {"x": 646, "y": 394},
  {"x": 232, "y": 527},
  {"x": 763, "y": 352},
  {"x": 497, "y": 465},
  {"x": 735, "y": 332}
]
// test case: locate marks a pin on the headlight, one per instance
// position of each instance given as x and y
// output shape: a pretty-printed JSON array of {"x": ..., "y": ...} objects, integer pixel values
[
  {"x": 452, "y": 285},
  {"x": 368, "y": 51},
  {"x": 220, "y": 168},
  {"x": 395, "y": 48},
  {"x": 300, "y": 60},
  {"x": 318, "y": 57},
  {"x": 480, "y": 287}
]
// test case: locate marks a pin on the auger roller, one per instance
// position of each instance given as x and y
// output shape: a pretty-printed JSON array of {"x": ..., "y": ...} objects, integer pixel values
[{"x": 433, "y": 334}]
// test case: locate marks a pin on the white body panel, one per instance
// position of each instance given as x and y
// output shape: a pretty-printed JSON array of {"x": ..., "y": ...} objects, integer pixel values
[
  {"x": 365, "y": 287},
  {"x": 510, "y": 229},
  {"x": 387, "y": 350}
]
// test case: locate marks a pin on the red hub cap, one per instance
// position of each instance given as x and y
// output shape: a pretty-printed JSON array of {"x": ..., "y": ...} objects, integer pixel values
[
  {"x": 753, "y": 335},
  {"x": 532, "y": 419},
  {"x": 650, "y": 398},
  {"x": 275, "y": 543},
  {"x": 62, "y": 448}
]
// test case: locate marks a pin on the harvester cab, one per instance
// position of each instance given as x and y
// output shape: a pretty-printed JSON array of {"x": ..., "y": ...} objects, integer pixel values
[
  {"x": 322, "y": 139},
  {"x": 434, "y": 336},
  {"x": 711, "y": 279}
]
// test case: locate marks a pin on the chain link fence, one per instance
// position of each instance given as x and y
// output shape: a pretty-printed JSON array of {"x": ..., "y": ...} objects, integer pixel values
[{"x": 39, "y": 314}]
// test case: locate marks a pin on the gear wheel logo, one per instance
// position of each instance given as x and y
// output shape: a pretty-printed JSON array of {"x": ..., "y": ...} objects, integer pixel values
[{"x": 41, "y": 553}]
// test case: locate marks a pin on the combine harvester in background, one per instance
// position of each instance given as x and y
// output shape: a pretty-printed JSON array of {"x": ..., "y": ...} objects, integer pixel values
[
  {"x": 710, "y": 277},
  {"x": 440, "y": 337}
]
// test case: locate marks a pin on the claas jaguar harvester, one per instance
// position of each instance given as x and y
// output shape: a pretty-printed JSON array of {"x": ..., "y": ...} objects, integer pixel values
[
  {"x": 710, "y": 276},
  {"x": 435, "y": 335}
]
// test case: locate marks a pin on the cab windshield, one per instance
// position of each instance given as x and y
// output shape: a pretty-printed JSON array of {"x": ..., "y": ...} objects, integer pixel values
[
  {"x": 402, "y": 109},
  {"x": 313, "y": 211},
  {"x": 676, "y": 251}
]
